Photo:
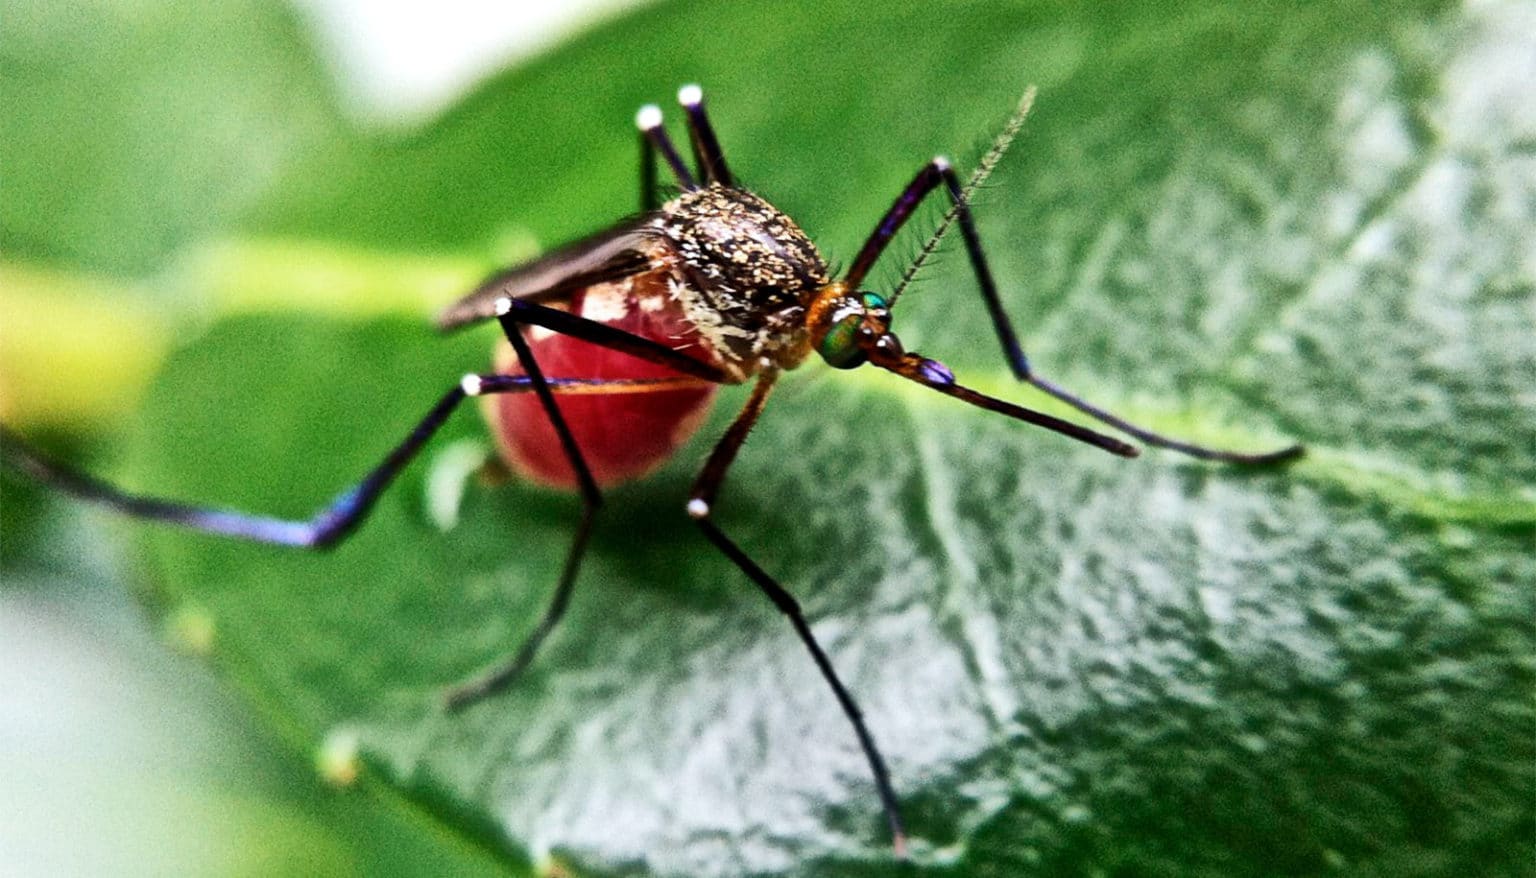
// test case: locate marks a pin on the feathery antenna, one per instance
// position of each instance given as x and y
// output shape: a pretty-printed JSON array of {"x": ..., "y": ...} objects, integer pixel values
[{"x": 984, "y": 170}]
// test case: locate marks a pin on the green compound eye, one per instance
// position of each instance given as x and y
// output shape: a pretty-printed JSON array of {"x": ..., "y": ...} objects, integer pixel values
[{"x": 840, "y": 346}]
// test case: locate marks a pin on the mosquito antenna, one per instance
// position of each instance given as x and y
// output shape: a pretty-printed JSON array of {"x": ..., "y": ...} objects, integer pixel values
[{"x": 983, "y": 170}]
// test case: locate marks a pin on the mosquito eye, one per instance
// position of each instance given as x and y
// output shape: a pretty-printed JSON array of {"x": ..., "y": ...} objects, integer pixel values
[
  {"x": 874, "y": 302},
  {"x": 840, "y": 346}
]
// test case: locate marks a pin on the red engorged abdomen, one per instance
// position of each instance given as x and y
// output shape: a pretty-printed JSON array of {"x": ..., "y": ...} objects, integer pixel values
[{"x": 623, "y": 433}]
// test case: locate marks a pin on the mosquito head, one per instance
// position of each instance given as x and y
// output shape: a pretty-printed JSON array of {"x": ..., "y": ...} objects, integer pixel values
[{"x": 851, "y": 327}]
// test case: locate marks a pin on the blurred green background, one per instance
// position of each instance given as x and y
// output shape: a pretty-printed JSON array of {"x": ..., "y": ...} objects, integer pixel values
[{"x": 1246, "y": 224}]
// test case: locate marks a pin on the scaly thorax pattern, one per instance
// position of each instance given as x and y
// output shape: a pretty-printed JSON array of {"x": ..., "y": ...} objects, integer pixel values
[{"x": 744, "y": 277}]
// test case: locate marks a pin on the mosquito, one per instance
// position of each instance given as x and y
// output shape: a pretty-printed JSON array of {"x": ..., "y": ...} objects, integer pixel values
[{"x": 612, "y": 349}]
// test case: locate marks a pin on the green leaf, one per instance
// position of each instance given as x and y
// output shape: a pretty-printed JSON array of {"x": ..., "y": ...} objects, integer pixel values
[
  {"x": 1246, "y": 226},
  {"x": 132, "y": 130}
]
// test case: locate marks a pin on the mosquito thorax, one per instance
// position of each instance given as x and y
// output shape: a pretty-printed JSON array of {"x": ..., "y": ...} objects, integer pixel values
[{"x": 747, "y": 273}]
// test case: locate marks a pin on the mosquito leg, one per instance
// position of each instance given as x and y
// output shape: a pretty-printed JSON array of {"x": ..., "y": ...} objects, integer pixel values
[
  {"x": 333, "y": 523},
  {"x": 938, "y": 172},
  {"x": 580, "y": 386},
  {"x": 649, "y": 200},
  {"x": 1279, "y": 455},
  {"x": 655, "y": 140},
  {"x": 513, "y": 315},
  {"x": 927, "y": 180},
  {"x": 700, "y": 509},
  {"x": 706, "y": 149},
  {"x": 496, "y": 678},
  {"x": 329, "y": 526}
]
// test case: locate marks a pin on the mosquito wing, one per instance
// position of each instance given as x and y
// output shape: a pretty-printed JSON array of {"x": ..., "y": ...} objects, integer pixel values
[{"x": 610, "y": 255}]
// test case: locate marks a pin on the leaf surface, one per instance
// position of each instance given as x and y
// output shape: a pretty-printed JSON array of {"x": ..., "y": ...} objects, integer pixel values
[{"x": 1243, "y": 226}]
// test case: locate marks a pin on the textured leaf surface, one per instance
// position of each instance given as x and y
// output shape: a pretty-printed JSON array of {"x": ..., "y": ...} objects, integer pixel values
[{"x": 1243, "y": 226}]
